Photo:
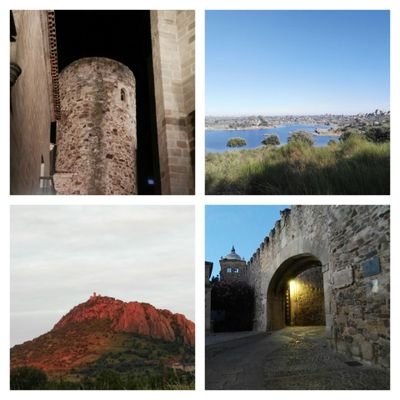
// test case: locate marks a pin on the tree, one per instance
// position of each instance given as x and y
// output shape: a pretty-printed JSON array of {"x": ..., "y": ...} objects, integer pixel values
[
  {"x": 108, "y": 379},
  {"x": 235, "y": 301},
  {"x": 214, "y": 279},
  {"x": 271, "y": 140},
  {"x": 350, "y": 132},
  {"x": 236, "y": 142},
  {"x": 378, "y": 134},
  {"x": 27, "y": 378},
  {"x": 301, "y": 137}
]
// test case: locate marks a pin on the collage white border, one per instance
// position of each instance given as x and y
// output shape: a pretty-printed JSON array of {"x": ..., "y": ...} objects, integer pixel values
[{"x": 200, "y": 200}]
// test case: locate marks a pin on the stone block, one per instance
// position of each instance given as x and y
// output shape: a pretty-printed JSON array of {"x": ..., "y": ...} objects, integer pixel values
[
  {"x": 367, "y": 351},
  {"x": 355, "y": 350},
  {"x": 343, "y": 278}
]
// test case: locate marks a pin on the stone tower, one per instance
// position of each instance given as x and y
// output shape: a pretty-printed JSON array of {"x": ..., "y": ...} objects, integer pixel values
[
  {"x": 96, "y": 135},
  {"x": 233, "y": 267}
]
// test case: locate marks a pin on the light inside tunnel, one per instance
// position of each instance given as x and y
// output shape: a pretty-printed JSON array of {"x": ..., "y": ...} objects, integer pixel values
[{"x": 292, "y": 286}]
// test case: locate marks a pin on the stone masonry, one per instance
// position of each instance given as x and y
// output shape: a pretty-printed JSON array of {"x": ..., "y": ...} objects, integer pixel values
[
  {"x": 352, "y": 246},
  {"x": 96, "y": 136},
  {"x": 307, "y": 298},
  {"x": 107, "y": 168},
  {"x": 173, "y": 34},
  {"x": 31, "y": 115}
]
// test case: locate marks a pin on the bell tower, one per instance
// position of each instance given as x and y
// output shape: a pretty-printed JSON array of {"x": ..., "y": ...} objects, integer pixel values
[{"x": 233, "y": 267}]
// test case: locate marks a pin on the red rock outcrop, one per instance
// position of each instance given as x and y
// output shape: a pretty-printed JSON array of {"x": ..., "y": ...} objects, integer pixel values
[
  {"x": 92, "y": 328},
  {"x": 133, "y": 317}
]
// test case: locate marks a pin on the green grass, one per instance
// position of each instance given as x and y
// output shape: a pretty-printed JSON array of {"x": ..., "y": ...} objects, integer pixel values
[{"x": 353, "y": 167}]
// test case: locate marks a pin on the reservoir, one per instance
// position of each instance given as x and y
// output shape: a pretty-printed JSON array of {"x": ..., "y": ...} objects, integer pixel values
[{"x": 216, "y": 140}]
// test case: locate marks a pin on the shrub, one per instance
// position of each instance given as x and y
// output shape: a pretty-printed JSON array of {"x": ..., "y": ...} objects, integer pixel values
[
  {"x": 27, "y": 378},
  {"x": 350, "y": 132},
  {"x": 235, "y": 302},
  {"x": 378, "y": 134},
  {"x": 236, "y": 142},
  {"x": 301, "y": 137},
  {"x": 109, "y": 379},
  {"x": 271, "y": 140},
  {"x": 354, "y": 166}
]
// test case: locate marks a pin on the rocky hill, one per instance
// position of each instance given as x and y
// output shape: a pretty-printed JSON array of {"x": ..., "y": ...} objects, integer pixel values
[{"x": 106, "y": 333}]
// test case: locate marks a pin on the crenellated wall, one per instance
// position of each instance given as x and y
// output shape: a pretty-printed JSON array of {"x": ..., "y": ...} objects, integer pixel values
[{"x": 351, "y": 245}]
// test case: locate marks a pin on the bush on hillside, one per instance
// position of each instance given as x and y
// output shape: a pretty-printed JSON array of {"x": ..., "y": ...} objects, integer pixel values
[
  {"x": 378, "y": 134},
  {"x": 27, "y": 378},
  {"x": 301, "y": 137}
]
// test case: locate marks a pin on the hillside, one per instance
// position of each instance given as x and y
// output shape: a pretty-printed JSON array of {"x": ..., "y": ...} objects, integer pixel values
[
  {"x": 354, "y": 166},
  {"x": 104, "y": 334}
]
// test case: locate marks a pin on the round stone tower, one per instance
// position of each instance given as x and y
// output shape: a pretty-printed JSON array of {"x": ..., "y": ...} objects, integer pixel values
[{"x": 96, "y": 136}]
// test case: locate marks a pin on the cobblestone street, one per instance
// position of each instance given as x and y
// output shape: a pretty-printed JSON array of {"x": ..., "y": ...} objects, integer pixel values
[{"x": 294, "y": 358}]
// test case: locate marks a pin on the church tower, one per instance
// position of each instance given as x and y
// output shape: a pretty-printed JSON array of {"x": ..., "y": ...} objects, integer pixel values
[{"x": 233, "y": 267}]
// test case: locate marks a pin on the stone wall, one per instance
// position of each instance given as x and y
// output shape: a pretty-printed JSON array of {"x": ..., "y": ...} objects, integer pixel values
[
  {"x": 31, "y": 102},
  {"x": 96, "y": 136},
  {"x": 172, "y": 35},
  {"x": 307, "y": 298},
  {"x": 351, "y": 244}
]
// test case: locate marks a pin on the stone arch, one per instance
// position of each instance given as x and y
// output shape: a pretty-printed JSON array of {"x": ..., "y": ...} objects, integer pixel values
[
  {"x": 285, "y": 249},
  {"x": 277, "y": 287},
  {"x": 352, "y": 246}
]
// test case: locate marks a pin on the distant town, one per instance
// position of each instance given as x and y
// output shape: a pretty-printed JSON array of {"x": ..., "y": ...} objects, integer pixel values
[{"x": 335, "y": 122}]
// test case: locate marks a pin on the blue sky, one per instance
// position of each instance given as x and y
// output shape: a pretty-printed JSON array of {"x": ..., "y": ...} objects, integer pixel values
[
  {"x": 242, "y": 226},
  {"x": 297, "y": 62}
]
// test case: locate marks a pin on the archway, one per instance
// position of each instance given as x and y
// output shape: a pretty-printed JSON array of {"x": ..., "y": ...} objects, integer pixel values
[{"x": 295, "y": 294}]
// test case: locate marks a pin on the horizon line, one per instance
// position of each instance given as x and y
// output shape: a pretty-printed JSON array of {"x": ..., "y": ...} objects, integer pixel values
[{"x": 291, "y": 115}]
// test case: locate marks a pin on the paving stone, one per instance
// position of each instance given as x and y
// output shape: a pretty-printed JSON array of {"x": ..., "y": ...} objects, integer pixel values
[{"x": 295, "y": 358}]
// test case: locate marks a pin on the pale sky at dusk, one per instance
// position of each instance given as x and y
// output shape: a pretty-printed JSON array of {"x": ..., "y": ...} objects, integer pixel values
[{"x": 61, "y": 254}]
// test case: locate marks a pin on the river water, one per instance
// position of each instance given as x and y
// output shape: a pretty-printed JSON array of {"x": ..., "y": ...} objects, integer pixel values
[{"x": 216, "y": 140}]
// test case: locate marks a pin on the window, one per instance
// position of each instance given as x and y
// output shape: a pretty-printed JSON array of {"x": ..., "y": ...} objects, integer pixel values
[
  {"x": 123, "y": 95},
  {"x": 229, "y": 270}
]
